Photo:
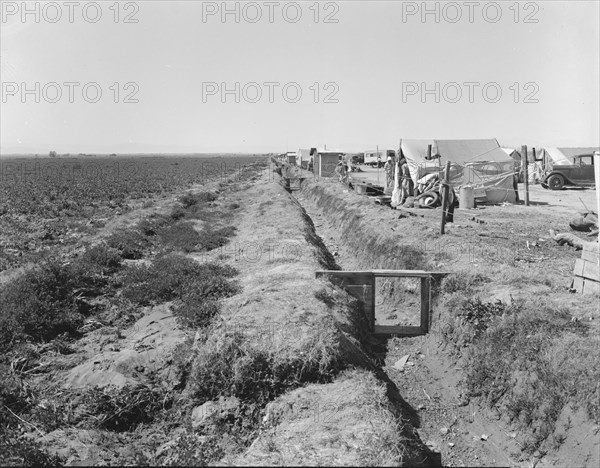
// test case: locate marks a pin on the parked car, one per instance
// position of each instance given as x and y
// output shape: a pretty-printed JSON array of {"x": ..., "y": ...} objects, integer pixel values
[{"x": 579, "y": 174}]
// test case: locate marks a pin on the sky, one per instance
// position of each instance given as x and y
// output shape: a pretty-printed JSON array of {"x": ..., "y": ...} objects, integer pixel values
[{"x": 192, "y": 76}]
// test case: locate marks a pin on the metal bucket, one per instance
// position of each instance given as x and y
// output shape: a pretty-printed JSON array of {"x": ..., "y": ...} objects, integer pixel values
[{"x": 466, "y": 199}]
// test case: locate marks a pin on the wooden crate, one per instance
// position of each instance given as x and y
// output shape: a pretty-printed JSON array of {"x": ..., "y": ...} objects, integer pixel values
[{"x": 587, "y": 271}]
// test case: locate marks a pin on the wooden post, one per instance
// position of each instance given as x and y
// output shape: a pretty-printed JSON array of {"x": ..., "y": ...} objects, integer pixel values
[
  {"x": 425, "y": 304},
  {"x": 525, "y": 173},
  {"x": 428, "y": 152},
  {"x": 445, "y": 196},
  {"x": 597, "y": 179},
  {"x": 377, "y": 159}
]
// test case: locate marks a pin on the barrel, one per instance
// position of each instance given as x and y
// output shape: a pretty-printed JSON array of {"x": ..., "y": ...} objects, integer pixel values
[{"x": 466, "y": 199}]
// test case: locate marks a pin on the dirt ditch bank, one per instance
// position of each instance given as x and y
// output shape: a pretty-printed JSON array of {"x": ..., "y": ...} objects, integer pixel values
[{"x": 512, "y": 420}]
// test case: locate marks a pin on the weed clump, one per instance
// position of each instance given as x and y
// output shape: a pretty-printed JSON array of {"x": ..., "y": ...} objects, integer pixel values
[
  {"x": 190, "y": 199},
  {"x": 152, "y": 225},
  {"x": 230, "y": 366},
  {"x": 131, "y": 244},
  {"x": 15, "y": 448},
  {"x": 123, "y": 409},
  {"x": 462, "y": 282},
  {"x": 215, "y": 238},
  {"x": 177, "y": 277},
  {"x": 103, "y": 256},
  {"x": 39, "y": 304},
  {"x": 181, "y": 236},
  {"x": 47, "y": 301}
]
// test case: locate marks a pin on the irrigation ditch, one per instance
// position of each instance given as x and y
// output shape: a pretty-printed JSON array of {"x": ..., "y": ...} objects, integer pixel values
[
  {"x": 471, "y": 406},
  {"x": 228, "y": 348},
  {"x": 361, "y": 236}
]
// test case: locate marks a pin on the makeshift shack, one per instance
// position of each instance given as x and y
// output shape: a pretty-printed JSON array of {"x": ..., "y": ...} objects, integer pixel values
[
  {"x": 290, "y": 157},
  {"x": 482, "y": 164},
  {"x": 325, "y": 162}
]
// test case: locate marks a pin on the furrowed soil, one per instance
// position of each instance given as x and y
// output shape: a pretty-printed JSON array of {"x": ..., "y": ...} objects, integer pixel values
[{"x": 255, "y": 361}]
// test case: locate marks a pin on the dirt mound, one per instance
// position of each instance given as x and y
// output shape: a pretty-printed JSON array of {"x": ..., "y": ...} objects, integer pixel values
[{"x": 143, "y": 349}]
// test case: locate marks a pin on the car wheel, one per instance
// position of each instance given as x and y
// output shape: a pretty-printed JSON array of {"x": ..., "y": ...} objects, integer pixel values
[{"x": 555, "y": 182}]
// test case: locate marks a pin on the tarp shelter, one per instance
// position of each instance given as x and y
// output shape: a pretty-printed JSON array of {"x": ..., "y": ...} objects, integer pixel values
[
  {"x": 483, "y": 164},
  {"x": 325, "y": 162}
]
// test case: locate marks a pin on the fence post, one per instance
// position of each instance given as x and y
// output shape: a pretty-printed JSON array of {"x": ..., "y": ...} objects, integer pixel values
[
  {"x": 525, "y": 173},
  {"x": 445, "y": 188}
]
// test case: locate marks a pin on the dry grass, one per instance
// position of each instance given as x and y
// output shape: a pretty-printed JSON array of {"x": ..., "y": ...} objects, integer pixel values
[
  {"x": 530, "y": 360},
  {"x": 345, "y": 423}
]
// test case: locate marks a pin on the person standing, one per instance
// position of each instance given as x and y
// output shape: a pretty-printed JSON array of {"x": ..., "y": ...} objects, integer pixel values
[
  {"x": 389, "y": 176},
  {"x": 406, "y": 181},
  {"x": 341, "y": 171}
]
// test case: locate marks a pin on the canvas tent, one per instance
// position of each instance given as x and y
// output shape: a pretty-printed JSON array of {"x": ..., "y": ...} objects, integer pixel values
[
  {"x": 513, "y": 153},
  {"x": 483, "y": 164}
]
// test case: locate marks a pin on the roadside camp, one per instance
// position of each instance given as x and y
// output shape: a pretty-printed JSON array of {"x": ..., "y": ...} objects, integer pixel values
[{"x": 481, "y": 164}]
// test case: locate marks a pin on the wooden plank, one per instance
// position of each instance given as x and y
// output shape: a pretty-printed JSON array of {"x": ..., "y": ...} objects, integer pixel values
[
  {"x": 590, "y": 256},
  {"x": 578, "y": 284},
  {"x": 590, "y": 247},
  {"x": 401, "y": 273},
  {"x": 371, "y": 317},
  {"x": 388, "y": 330},
  {"x": 591, "y": 287},
  {"x": 578, "y": 269},
  {"x": 588, "y": 270},
  {"x": 383, "y": 273},
  {"x": 356, "y": 278},
  {"x": 425, "y": 303},
  {"x": 342, "y": 273}
]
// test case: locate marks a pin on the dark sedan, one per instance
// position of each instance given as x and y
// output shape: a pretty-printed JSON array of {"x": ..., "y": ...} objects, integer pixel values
[{"x": 578, "y": 174}]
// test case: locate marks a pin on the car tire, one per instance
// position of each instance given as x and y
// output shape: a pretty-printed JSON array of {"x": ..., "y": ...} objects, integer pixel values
[
  {"x": 555, "y": 182},
  {"x": 429, "y": 199}
]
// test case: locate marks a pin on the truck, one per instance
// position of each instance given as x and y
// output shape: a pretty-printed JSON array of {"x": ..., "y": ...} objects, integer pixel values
[{"x": 378, "y": 158}]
